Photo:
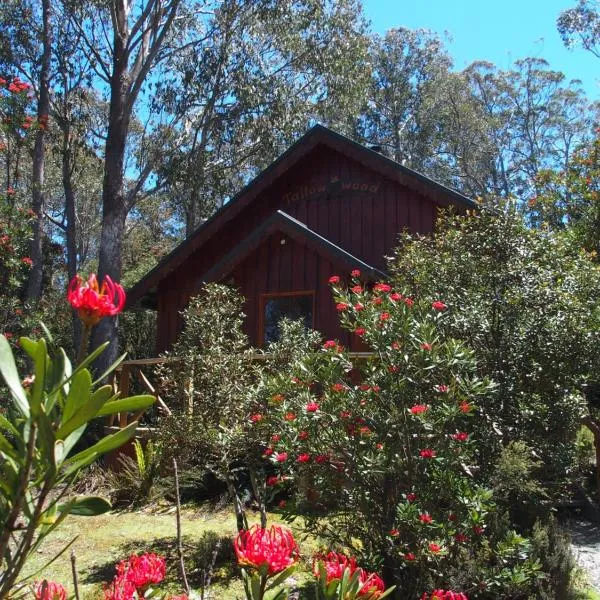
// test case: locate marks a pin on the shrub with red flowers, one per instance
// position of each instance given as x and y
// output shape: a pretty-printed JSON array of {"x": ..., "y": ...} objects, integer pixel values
[{"x": 390, "y": 448}]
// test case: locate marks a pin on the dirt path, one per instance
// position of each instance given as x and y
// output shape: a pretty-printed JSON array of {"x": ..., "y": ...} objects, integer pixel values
[{"x": 586, "y": 546}]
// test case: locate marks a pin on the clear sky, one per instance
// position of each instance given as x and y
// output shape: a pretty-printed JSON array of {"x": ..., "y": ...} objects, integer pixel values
[{"x": 500, "y": 31}]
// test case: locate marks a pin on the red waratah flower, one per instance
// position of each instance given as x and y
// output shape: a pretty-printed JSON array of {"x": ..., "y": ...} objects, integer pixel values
[
  {"x": 384, "y": 316},
  {"x": 334, "y": 279},
  {"x": 272, "y": 480},
  {"x": 289, "y": 416},
  {"x": 355, "y": 273},
  {"x": 393, "y": 368},
  {"x": 282, "y": 504},
  {"x": 277, "y": 398},
  {"x": 256, "y": 418},
  {"x": 438, "y": 305},
  {"x": 395, "y": 296},
  {"x": 442, "y": 389},
  {"x": 461, "y": 436},
  {"x": 342, "y": 306},
  {"x": 409, "y": 556},
  {"x": 275, "y": 437},
  {"x": 303, "y": 435},
  {"x": 274, "y": 547},
  {"x": 425, "y": 518},
  {"x": 357, "y": 289},
  {"x": 395, "y": 345},
  {"x": 335, "y": 564},
  {"x": 268, "y": 452},
  {"x": 409, "y": 302},
  {"x": 465, "y": 407},
  {"x": 365, "y": 387},
  {"x": 49, "y": 590},
  {"x": 119, "y": 589},
  {"x": 434, "y": 548},
  {"x": 27, "y": 261},
  {"x": 338, "y": 387},
  {"x": 425, "y": 346},
  {"x": 382, "y": 287},
  {"x": 142, "y": 570},
  {"x": 364, "y": 430},
  {"x": 443, "y": 595},
  {"x": 358, "y": 307},
  {"x": 330, "y": 344},
  {"x": 303, "y": 458},
  {"x": 376, "y": 389},
  {"x": 376, "y": 301},
  {"x": 372, "y": 586},
  {"x": 281, "y": 457},
  {"x": 360, "y": 331},
  {"x": 395, "y": 532},
  {"x": 321, "y": 459},
  {"x": 2, "y": 81},
  {"x": 461, "y": 538},
  {"x": 427, "y": 453},
  {"x": 379, "y": 446},
  {"x": 93, "y": 302},
  {"x": 312, "y": 407},
  {"x": 477, "y": 529},
  {"x": 419, "y": 409},
  {"x": 411, "y": 497}
]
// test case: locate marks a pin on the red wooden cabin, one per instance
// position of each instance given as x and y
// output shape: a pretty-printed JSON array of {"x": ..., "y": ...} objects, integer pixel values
[{"x": 326, "y": 206}]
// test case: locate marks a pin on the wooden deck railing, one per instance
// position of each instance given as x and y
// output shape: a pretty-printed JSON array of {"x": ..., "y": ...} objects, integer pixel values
[{"x": 137, "y": 370}]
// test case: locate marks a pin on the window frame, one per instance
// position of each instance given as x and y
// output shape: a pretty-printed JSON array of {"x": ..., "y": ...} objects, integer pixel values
[{"x": 263, "y": 298}]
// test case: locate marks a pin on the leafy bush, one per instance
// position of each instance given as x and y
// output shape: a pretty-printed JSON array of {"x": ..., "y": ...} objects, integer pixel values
[
  {"x": 383, "y": 453},
  {"x": 210, "y": 382},
  {"x": 526, "y": 302},
  {"x": 136, "y": 481}
]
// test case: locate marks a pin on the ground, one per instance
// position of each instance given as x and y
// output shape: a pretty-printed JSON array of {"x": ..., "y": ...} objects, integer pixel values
[{"x": 104, "y": 540}]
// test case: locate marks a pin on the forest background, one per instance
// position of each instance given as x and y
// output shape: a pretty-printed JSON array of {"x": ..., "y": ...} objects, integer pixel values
[{"x": 126, "y": 124}]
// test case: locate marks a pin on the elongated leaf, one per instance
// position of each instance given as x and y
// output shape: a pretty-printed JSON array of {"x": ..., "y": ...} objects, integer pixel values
[
  {"x": 8, "y": 426},
  {"x": 47, "y": 439},
  {"x": 11, "y": 377},
  {"x": 7, "y": 447},
  {"x": 81, "y": 386},
  {"x": 39, "y": 370},
  {"x": 110, "y": 369},
  {"x": 88, "y": 506},
  {"x": 110, "y": 442},
  {"x": 86, "y": 412},
  {"x": 133, "y": 403},
  {"x": 72, "y": 439}
]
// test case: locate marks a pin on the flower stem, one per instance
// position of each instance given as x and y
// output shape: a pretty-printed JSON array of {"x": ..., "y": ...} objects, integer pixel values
[{"x": 85, "y": 340}]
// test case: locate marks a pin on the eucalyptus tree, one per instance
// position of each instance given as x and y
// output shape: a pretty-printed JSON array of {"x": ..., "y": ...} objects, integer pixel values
[
  {"x": 407, "y": 67},
  {"x": 580, "y": 26},
  {"x": 268, "y": 69}
]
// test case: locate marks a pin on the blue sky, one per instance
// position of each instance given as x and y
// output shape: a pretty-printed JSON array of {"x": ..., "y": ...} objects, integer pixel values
[{"x": 498, "y": 31}]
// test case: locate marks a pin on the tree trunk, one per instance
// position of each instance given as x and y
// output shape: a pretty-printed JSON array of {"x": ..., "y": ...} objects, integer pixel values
[
  {"x": 114, "y": 210},
  {"x": 34, "y": 284},
  {"x": 71, "y": 226}
]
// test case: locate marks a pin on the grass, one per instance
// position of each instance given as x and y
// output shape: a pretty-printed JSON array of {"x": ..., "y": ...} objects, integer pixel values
[{"x": 104, "y": 540}]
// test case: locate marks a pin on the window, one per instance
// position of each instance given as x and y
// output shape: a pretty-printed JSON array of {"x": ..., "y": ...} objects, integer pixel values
[{"x": 293, "y": 305}]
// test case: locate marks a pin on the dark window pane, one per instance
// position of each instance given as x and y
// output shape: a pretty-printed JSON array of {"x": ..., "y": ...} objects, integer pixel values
[{"x": 292, "y": 307}]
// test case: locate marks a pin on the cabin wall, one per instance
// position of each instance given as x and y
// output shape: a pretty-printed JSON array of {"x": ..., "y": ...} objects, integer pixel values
[{"x": 359, "y": 210}]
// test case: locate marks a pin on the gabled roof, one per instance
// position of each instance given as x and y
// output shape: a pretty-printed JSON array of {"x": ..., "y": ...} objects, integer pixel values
[
  {"x": 317, "y": 135},
  {"x": 296, "y": 230}
]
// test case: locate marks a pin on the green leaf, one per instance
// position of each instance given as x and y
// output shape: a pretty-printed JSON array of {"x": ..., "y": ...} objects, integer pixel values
[
  {"x": 110, "y": 369},
  {"x": 11, "y": 377},
  {"x": 88, "y": 506},
  {"x": 86, "y": 412},
  {"x": 39, "y": 370},
  {"x": 79, "y": 392},
  {"x": 110, "y": 442},
  {"x": 8, "y": 426},
  {"x": 133, "y": 403}
]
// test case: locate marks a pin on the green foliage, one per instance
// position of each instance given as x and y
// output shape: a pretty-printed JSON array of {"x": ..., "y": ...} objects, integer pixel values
[
  {"x": 38, "y": 434},
  {"x": 208, "y": 383},
  {"x": 136, "y": 481},
  {"x": 383, "y": 453},
  {"x": 526, "y": 302}
]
